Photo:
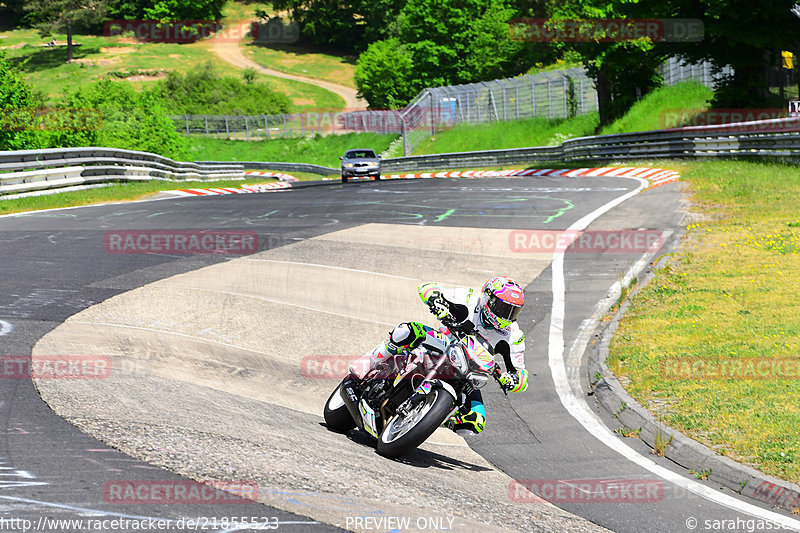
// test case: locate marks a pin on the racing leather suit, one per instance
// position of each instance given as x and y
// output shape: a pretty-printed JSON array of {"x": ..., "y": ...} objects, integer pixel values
[{"x": 460, "y": 304}]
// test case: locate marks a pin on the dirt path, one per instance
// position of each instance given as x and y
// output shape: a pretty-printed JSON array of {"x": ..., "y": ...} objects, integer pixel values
[{"x": 231, "y": 53}]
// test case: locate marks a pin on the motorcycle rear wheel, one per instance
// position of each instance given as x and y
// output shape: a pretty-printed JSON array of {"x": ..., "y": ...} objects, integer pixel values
[{"x": 402, "y": 435}]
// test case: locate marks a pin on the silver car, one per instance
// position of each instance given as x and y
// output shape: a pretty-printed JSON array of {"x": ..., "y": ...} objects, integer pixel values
[{"x": 360, "y": 162}]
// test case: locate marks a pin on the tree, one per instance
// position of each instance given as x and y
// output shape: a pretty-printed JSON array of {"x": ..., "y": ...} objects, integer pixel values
[
  {"x": 383, "y": 74},
  {"x": 168, "y": 10},
  {"x": 52, "y": 16},
  {"x": 459, "y": 41},
  {"x": 623, "y": 70},
  {"x": 441, "y": 42},
  {"x": 350, "y": 25},
  {"x": 746, "y": 36}
]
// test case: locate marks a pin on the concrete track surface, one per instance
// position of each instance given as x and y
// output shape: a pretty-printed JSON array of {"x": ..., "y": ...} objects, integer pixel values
[{"x": 213, "y": 373}]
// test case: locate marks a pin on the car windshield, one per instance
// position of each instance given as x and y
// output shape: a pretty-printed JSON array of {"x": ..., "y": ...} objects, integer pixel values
[{"x": 360, "y": 154}]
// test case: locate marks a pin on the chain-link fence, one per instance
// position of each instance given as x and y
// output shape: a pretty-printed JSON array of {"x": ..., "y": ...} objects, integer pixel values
[
  {"x": 675, "y": 71},
  {"x": 262, "y": 127},
  {"x": 555, "y": 94}
]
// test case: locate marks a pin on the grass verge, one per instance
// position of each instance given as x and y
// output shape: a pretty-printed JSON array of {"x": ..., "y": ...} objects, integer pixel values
[
  {"x": 663, "y": 108},
  {"x": 118, "y": 192},
  {"x": 517, "y": 134},
  {"x": 320, "y": 150},
  {"x": 710, "y": 345}
]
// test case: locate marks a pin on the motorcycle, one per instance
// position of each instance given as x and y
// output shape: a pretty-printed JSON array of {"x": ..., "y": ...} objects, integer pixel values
[{"x": 402, "y": 400}]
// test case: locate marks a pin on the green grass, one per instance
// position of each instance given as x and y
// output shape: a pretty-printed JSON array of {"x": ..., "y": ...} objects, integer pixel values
[
  {"x": 304, "y": 61},
  {"x": 650, "y": 113},
  {"x": 118, "y": 192},
  {"x": 318, "y": 150},
  {"x": 140, "y": 64},
  {"x": 662, "y": 108},
  {"x": 517, "y": 134},
  {"x": 729, "y": 296}
]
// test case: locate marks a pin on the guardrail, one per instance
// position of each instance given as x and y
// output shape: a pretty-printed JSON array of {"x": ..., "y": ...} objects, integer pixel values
[
  {"x": 777, "y": 138},
  {"x": 35, "y": 170},
  {"x": 282, "y": 167},
  {"x": 29, "y": 171}
]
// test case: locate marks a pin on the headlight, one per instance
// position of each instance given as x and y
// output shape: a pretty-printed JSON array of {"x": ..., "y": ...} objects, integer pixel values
[
  {"x": 457, "y": 357},
  {"x": 478, "y": 380},
  {"x": 348, "y": 165}
]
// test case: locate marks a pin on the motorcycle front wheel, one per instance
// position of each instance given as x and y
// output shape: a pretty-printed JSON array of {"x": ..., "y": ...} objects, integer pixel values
[
  {"x": 337, "y": 417},
  {"x": 403, "y": 434}
]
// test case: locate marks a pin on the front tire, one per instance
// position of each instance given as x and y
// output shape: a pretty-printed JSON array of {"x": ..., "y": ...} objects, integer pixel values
[
  {"x": 344, "y": 179},
  {"x": 403, "y": 435},
  {"x": 337, "y": 417}
]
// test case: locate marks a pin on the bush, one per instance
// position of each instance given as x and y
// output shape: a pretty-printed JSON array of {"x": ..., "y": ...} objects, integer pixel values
[
  {"x": 16, "y": 102},
  {"x": 203, "y": 91},
  {"x": 130, "y": 120}
]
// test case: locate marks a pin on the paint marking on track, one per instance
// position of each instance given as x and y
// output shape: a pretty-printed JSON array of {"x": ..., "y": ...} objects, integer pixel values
[
  {"x": 5, "y": 327},
  {"x": 577, "y": 407}
]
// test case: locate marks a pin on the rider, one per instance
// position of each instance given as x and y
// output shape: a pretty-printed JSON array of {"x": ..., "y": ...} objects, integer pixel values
[{"x": 493, "y": 312}]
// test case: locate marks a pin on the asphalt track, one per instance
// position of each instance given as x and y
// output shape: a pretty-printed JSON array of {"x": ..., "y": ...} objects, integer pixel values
[{"x": 55, "y": 266}]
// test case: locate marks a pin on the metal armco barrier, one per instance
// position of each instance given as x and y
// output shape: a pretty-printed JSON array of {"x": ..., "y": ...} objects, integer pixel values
[
  {"x": 26, "y": 171},
  {"x": 778, "y": 138},
  {"x": 34, "y": 170}
]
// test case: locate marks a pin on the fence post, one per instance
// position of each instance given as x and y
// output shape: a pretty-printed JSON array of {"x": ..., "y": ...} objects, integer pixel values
[
  {"x": 404, "y": 133},
  {"x": 430, "y": 114},
  {"x": 516, "y": 97},
  {"x": 227, "y": 128},
  {"x": 187, "y": 124},
  {"x": 550, "y": 97},
  {"x": 206, "y": 117},
  {"x": 302, "y": 127},
  {"x": 246, "y": 128},
  {"x": 284, "y": 126},
  {"x": 505, "y": 114}
]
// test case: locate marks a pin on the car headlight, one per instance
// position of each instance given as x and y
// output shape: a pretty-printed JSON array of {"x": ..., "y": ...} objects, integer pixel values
[
  {"x": 455, "y": 353},
  {"x": 478, "y": 380},
  {"x": 348, "y": 165}
]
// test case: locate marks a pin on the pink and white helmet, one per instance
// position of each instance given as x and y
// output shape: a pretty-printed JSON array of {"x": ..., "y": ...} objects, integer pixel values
[{"x": 501, "y": 301}]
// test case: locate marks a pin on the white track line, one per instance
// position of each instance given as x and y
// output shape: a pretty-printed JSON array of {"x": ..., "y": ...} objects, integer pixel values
[{"x": 580, "y": 410}]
